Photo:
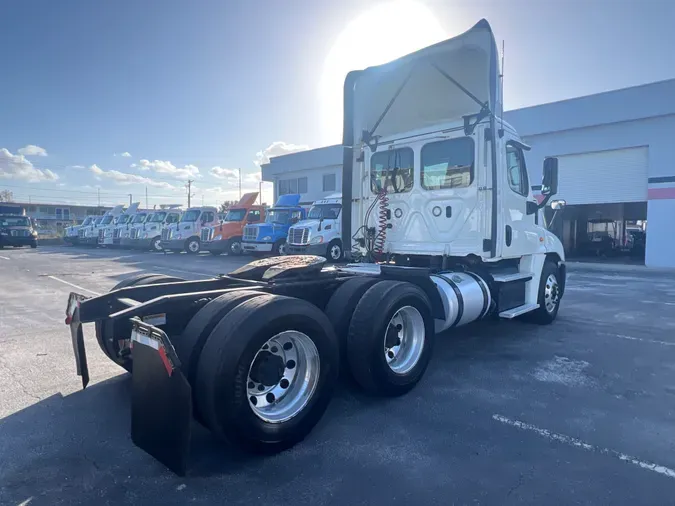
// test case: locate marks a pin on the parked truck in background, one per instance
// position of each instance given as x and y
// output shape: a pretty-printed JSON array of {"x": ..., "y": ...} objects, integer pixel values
[
  {"x": 132, "y": 226},
  {"x": 186, "y": 234},
  {"x": 443, "y": 227},
  {"x": 111, "y": 234},
  {"x": 17, "y": 230},
  {"x": 320, "y": 233},
  {"x": 270, "y": 236},
  {"x": 71, "y": 234},
  {"x": 90, "y": 234},
  {"x": 226, "y": 236},
  {"x": 148, "y": 234}
]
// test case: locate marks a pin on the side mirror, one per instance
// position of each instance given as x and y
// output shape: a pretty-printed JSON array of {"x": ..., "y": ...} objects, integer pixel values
[
  {"x": 294, "y": 221},
  {"x": 558, "y": 204},
  {"x": 549, "y": 183}
]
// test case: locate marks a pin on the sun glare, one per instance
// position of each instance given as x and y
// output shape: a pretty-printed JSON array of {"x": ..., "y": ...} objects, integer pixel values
[{"x": 379, "y": 35}]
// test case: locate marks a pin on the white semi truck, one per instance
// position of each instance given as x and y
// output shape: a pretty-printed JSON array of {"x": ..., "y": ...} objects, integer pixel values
[
  {"x": 71, "y": 234},
  {"x": 90, "y": 234},
  {"x": 148, "y": 234},
  {"x": 186, "y": 234},
  {"x": 441, "y": 224},
  {"x": 111, "y": 234},
  {"x": 320, "y": 233}
]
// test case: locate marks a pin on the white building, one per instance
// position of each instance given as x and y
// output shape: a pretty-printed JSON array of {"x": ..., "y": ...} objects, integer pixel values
[{"x": 615, "y": 151}]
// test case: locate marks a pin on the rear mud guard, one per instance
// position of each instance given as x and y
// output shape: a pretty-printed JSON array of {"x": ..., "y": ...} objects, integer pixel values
[
  {"x": 77, "y": 336},
  {"x": 161, "y": 398}
]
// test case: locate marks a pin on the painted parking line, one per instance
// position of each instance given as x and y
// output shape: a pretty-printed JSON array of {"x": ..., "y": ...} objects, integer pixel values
[
  {"x": 642, "y": 339},
  {"x": 4, "y": 258},
  {"x": 73, "y": 285},
  {"x": 571, "y": 441}
]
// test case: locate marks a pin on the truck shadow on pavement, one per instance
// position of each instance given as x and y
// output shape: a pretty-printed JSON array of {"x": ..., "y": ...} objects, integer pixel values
[{"x": 78, "y": 449}]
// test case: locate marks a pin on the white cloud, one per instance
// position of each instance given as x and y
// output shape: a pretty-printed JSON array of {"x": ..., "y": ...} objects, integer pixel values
[
  {"x": 277, "y": 148},
  {"x": 32, "y": 150},
  {"x": 18, "y": 167},
  {"x": 126, "y": 154},
  {"x": 75, "y": 167},
  {"x": 253, "y": 178},
  {"x": 223, "y": 173},
  {"x": 165, "y": 167},
  {"x": 123, "y": 178}
]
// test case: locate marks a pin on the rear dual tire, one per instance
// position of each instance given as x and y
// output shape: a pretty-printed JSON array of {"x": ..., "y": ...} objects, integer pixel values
[{"x": 247, "y": 351}]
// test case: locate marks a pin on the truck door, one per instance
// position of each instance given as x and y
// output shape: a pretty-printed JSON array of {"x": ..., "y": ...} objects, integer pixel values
[{"x": 520, "y": 236}]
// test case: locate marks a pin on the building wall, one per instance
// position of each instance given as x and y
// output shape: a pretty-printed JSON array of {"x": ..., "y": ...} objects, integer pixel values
[
  {"x": 314, "y": 177},
  {"x": 656, "y": 133}
]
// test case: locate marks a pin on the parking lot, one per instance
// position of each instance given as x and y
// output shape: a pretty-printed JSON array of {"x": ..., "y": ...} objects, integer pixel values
[{"x": 579, "y": 412}]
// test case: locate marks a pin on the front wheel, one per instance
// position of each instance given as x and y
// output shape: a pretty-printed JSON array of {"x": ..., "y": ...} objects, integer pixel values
[
  {"x": 157, "y": 244},
  {"x": 549, "y": 296},
  {"x": 33, "y": 245},
  {"x": 234, "y": 246},
  {"x": 193, "y": 245},
  {"x": 334, "y": 251},
  {"x": 280, "y": 247}
]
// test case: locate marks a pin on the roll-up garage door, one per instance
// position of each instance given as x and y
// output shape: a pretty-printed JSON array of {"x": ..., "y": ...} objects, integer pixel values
[{"x": 603, "y": 177}]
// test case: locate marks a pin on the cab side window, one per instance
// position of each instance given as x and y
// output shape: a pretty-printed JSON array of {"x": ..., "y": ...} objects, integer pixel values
[
  {"x": 516, "y": 172},
  {"x": 207, "y": 217},
  {"x": 253, "y": 216}
]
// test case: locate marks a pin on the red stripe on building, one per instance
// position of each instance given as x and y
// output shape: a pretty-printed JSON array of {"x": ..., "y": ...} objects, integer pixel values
[{"x": 661, "y": 193}]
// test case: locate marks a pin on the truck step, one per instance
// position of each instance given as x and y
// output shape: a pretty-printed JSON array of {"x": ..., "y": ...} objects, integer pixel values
[
  {"x": 512, "y": 276},
  {"x": 517, "y": 311}
]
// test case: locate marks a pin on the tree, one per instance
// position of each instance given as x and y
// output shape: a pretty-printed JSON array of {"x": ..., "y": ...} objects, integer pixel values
[
  {"x": 226, "y": 205},
  {"x": 6, "y": 196}
]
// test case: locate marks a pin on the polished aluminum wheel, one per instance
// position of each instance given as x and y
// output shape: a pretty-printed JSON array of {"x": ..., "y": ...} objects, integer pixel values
[
  {"x": 404, "y": 340},
  {"x": 282, "y": 248},
  {"x": 193, "y": 246},
  {"x": 335, "y": 252},
  {"x": 283, "y": 376},
  {"x": 235, "y": 247},
  {"x": 551, "y": 293}
]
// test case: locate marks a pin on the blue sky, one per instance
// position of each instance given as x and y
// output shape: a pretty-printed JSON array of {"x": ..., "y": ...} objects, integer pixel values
[{"x": 186, "y": 86}]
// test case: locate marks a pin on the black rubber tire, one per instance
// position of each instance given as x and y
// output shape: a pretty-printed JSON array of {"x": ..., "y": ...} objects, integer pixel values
[
  {"x": 156, "y": 241},
  {"x": 106, "y": 329},
  {"x": 541, "y": 316},
  {"x": 191, "y": 342},
  {"x": 341, "y": 306},
  {"x": 187, "y": 243},
  {"x": 330, "y": 246},
  {"x": 222, "y": 373},
  {"x": 33, "y": 245},
  {"x": 365, "y": 338},
  {"x": 277, "y": 247},
  {"x": 237, "y": 251}
]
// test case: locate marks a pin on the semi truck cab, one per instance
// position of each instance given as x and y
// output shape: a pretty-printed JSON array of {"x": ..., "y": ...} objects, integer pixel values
[
  {"x": 319, "y": 234},
  {"x": 129, "y": 235},
  {"x": 227, "y": 235},
  {"x": 71, "y": 235},
  {"x": 186, "y": 234},
  {"x": 90, "y": 235},
  {"x": 111, "y": 235},
  {"x": 270, "y": 236},
  {"x": 17, "y": 230}
]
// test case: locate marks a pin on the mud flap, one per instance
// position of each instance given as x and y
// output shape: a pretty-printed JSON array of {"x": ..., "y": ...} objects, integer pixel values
[
  {"x": 161, "y": 398},
  {"x": 77, "y": 336}
]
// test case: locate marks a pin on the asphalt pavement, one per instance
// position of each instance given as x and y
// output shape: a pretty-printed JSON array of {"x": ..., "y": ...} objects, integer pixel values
[{"x": 578, "y": 412}]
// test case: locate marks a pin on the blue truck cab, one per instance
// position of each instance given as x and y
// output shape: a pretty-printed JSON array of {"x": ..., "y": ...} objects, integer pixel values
[{"x": 270, "y": 236}]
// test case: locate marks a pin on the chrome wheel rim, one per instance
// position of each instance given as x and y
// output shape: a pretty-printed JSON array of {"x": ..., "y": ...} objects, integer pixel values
[
  {"x": 157, "y": 244},
  {"x": 282, "y": 249},
  {"x": 551, "y": 293},
  {"x": 193, "y": 246},
  {"x": 235, "y": 247},
  {"x": 283, "y": 376},
  {"x": 335, "y": 252},
  {"x": 404, "y": 340}
]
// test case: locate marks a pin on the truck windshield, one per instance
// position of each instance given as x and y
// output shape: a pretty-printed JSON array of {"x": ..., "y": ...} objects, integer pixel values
[
  {"x": 325, "y": 212},
  {"x": 12, "y": 221},
  {"x": 157, "y": 218},
  {"x": 279, "y": 216},
  {"x": 190, "y": 216},
  {"x": 86, "y": 221},
  {"x": 106, "y": 220},
  {"x": 139, "y": 218},
  {"x": 235, "y": 215},
  {"x": 123, "y": 219},
  {"x": 392, "y": 170},
  {"x": 98, "y": 221}
]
